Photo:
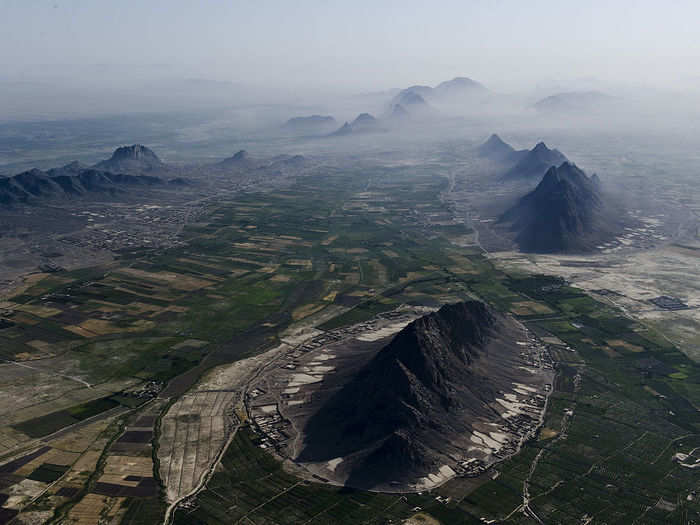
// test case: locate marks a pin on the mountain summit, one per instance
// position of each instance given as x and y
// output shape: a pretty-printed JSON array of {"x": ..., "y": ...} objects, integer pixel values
[
  {"x": 535, "y": 162},
  {"x": 127, "y": 159}
]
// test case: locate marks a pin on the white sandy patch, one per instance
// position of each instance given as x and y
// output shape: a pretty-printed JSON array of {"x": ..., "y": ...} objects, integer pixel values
[
  {"x": 381, "y": 333},
  {"x": 304, "y": 379},
  {"x": 483, "y": 439},
  {"x": 267, "y": 409},
  {"x": 291, "y": 390},
  {"x": 296, "y": 402},
  {"x": 333, "y": 464},
  {"x": 321, "y": 369}
]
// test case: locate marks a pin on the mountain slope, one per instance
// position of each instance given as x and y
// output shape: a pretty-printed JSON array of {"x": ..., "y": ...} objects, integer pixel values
[
  {"x": 497, "y": 150},
  {"x": 310, "y": 124},
  {"x": 70, "y": 181},
  {"x": 131, "y": 159},
  {"x": 395, "y": 418},
  {"x": 535, "y": 162},
  {"x": 566, "y": 212}
]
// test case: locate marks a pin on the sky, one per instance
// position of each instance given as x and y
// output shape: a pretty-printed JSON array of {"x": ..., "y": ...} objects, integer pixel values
[{"x": 359, "y": 45}]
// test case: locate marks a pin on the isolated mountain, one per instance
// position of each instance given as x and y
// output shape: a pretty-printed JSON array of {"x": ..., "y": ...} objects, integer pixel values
[
  {"x": 395, "y": 418},
  {"x": 535, "y": 162},
  {"x": 310, "y": 124},
  {"x": 458, "y": 87},
  {"x": 574, "y": 101},
  {"x": 240, "y": 159},
  {"x": 497, "y": 150},
  {"x": 35, "y": 185},
  {"x": 131, "y": 159},
  {"x": 364, "y": 120},
  {"x": 566, "y": 212}
]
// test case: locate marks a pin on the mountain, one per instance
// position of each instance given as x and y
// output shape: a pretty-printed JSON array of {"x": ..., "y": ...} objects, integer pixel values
[
  {"x": 345, "y": 129},
  {"x": 496, "y": 149},
  {"x": 363, "y": 123},
  {"x": 398, "y": 114},
  {"x": 457, "y": 90},
  {"x": 242, "y": 164},
  {"x": 566, "y": 212},
  {"x": 69, "y": 181},
  {"x": 535, "y": 162},
  {"x": 397, "y": 417},
  {"x": 409, "y": 98},
  {"x": 310, "y": 124},
  {"x": 458, "y": 87},
  {"x": 574, "y": 101},
  {"x": 241, "y": 160},
  {"x": 131, "y": 159}
]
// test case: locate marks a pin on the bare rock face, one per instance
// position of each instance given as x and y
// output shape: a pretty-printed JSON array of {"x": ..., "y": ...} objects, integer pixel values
[
  {"x": 414, "y": 404},
  {"x": 535, "y": 163},
  {"x": 131, "y": 159}
]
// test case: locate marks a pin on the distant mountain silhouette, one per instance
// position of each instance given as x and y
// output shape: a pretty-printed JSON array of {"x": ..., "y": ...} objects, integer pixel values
[
  {"x": 458, "y": 87},
  {"x": 566, "y": 212},
  {"x": 455, "y": 90},
  {"x": 245, "y": 165},
  {"x": 342, "y": 131},
  {"x": 131, "y": 159},
  {"x": 363, "y": 123},
  {"x": 497, "y": 150},
  {"x": 574, "y": 101},
  {"x": 398, "y": 114},
  {"x": 240, "y": 159},
  {"x": 535, "y": 162},
  {"x": 310, "y": 124}
]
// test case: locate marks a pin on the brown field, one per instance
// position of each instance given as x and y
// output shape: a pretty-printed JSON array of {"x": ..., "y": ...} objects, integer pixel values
[
  {"x": 547, "y": 433},
  {"x": 530, "y": 308},
  {"x": 178, "y": 281},
  {"x": 610, "y": 352},
  {"x": 25, "y": 319},
  {"x": 94, "y": 508},
  {"x": 421, "y": 519},
  {"x": 117, "y": 468},
  {"x": 39, "y": 311},
  {"x": 97, "y": 327},
  {"x": 619, "y": 343},
  {"x": 307, "y": 310},
  {"x": 328, "y": 240}
]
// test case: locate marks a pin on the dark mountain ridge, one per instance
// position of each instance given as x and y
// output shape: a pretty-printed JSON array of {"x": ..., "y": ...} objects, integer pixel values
[{"x": 58, "y": 183}]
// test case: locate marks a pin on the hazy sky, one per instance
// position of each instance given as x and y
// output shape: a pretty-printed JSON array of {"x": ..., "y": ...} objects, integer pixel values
[{"x": 356, "y": 44}]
